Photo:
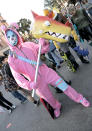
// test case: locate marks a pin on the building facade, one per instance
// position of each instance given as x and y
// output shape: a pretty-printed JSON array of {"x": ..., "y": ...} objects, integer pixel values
[{"x": 3, "y": 45}]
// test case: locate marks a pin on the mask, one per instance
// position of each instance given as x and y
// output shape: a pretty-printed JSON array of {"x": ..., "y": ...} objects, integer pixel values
[{"x": 12, "y": 37}]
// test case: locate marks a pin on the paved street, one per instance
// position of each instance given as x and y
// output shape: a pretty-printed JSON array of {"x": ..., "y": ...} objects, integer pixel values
[{"x": 74, "y": 117}]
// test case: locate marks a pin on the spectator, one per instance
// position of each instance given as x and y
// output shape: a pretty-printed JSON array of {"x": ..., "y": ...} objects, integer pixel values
[
  {"x": 80, "y": 20},
  {"x": 6, "y": 104},
  {"x": 11, "y": 85}
]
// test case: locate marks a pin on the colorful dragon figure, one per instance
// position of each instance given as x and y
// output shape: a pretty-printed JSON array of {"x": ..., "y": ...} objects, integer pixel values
[{"x": 45, "y": 27}]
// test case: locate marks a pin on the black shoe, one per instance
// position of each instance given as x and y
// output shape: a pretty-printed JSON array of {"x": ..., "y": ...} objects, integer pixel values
[
  {"x": 85, "y": 61},
  {"x": 37, "y": 103},
  {"x": 75, "y": 65},
  {"x": 58, "y": 66}
]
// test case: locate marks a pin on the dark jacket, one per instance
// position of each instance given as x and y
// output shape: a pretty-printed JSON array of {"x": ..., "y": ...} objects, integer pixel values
[
  {"x": 80, "y": 20},
  {"x": 60, "y": 18},
  {"x": 8, "y": 79}
]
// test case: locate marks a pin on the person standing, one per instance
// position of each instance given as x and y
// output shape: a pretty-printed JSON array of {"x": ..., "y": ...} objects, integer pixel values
[
  {"x": 24, "y": 65},
  {"x": 81, "y": 21},
  {"x": 5, "y": 103},
  {"x": 11, "y": 85}
]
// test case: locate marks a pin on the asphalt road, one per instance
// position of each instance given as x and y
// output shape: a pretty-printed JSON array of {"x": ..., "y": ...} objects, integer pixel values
[{"x": 74, "y": 117}]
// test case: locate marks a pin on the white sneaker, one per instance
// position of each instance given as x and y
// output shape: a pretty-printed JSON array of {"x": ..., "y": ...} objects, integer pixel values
[
  {"x": 10, "y": 111},
  {"x": 13, "y": 107}
]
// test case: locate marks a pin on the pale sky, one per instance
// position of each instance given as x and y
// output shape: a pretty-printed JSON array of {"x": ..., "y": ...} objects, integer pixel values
[{"x": 13, "y": 10}]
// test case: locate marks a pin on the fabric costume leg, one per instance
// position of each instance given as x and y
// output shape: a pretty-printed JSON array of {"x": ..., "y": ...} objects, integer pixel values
[
  {"x": 67, "y": 81},
  {"x": 52, "y": 78},
  {"x": 44, "y": 92},
  {"x": 51, "y": 65},
  {"x": 48, "y": 107}
]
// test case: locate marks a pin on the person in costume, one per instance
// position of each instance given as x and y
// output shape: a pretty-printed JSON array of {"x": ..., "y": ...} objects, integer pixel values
[
  {"x": 62, "y": 19},
  {"x": 23, "y": 60},
  {"x": 50, "y": 64},
  {"x": 62, "y": 46}
]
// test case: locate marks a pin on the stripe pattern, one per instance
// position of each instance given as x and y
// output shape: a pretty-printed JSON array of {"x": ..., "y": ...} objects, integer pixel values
[
  {"x": 61, "y": 84},
  {"x": 25, "y": 59}
]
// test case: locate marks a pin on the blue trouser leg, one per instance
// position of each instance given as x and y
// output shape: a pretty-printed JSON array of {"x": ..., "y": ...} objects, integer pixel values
[
  {"x": 58, "y": 55},
  {"x": 19, "y": 96},
  {"x": 55, "y": 58}
]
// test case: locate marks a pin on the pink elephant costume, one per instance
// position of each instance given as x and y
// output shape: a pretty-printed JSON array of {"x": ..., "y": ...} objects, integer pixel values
[{"x": 22, "y": 61}]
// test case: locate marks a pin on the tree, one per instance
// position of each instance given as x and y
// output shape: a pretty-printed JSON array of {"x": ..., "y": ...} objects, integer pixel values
[
  {"x": 54, "y": 3},
  {"x": 24, "y": 29},
  {"x": 24, "y": 26},
  {"x": 58, "y": 3},
  {"x": 50, "y": 3}
]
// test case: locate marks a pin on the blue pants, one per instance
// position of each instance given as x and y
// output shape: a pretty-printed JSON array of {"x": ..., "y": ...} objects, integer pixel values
[
  {"x": 57, "y": 58},
  {"x": 19, "y": 96}
]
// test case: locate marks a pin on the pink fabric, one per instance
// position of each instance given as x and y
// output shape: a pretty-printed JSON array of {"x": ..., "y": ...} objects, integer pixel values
[
  {"x": 46, "y": 75},
  {"x": 85, "y": 102},
  {"x": 72, "y": 94},
  {"x": 33, "y": 85},
  {"x": 57, "y": 113},
  {"x": 19, "y": 67}
]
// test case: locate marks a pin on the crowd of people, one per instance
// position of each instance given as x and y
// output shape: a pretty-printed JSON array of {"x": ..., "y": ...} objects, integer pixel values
[
  {"x": 17, "y": 72},
  {"x": 74, "y": 17}
]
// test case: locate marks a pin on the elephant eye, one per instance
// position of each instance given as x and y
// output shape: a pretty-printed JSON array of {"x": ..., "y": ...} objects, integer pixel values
[{"x": 47, "y": 23}]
